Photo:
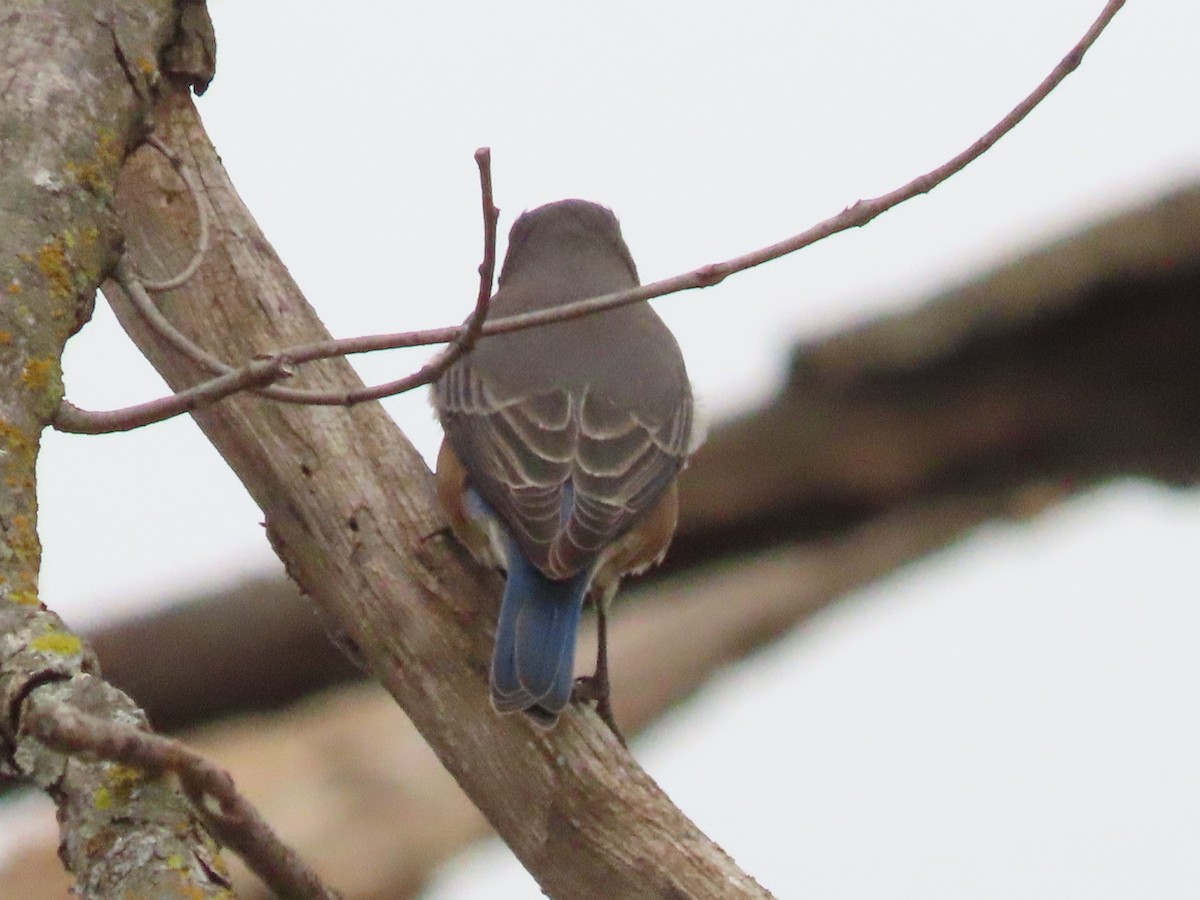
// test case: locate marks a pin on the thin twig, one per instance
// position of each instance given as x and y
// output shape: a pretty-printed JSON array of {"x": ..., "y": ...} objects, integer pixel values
[
  {"x": 131, "y": 282},
  {"x": 461, "y": 339},
  {"x": 487, "y": 268},
  {"x": 232, "y": 818},
  {"x": 128, "y": 278},
  {"x": 193, "y": 186},
  {"x": 854, "y": 216},
  {"x": 229, "y": 380},
  {"x": 259, "y": 373},
  {"x": 465, "y": 336}
]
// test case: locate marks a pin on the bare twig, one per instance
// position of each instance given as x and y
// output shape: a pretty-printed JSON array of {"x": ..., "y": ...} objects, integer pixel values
[
  {"x": 189, "y": 179},
  {"x": 487, "y": 268},
  {"x": 461, "y": 340},
  {"x": 854, "y": 216},
  {"x": 73, "y": 420},
  {"x": 232, "y": 818},
  {"x": 462, "y": 337}
]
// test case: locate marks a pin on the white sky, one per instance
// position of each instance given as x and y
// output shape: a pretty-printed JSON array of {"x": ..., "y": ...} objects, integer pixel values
[{"x": 1017, "y": 717}]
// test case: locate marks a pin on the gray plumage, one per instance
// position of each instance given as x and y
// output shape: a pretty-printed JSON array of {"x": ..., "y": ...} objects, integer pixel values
[{"x": 569, "y": 431}]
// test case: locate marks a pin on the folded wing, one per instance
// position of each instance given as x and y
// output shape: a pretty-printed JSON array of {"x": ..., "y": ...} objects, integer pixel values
[{"x": 567, "y": 471}]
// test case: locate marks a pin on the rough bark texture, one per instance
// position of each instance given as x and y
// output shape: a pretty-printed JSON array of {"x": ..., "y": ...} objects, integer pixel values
[
  {"x": 350, "y": 509},
  {"x": 76, "y": 83}
]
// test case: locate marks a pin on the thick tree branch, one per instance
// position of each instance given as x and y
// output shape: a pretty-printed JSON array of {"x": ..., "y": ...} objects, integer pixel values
[
  {"x": 77, "y": 82},
  {"x": 231, "y": 817},
  {"x": 350, "y": 508},
  {"x": 380, "y": 778}
]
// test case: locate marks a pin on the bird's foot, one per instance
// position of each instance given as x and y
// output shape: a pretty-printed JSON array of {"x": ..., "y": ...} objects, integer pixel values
[{"x": 596, "y": 689}]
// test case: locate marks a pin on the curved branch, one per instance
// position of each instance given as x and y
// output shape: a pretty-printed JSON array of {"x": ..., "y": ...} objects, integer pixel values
[
  {"x": 234, "y": 820},
  {"x": 462, "y": 337},
  {"x": 260, "y": 374},
  {"x": 70, "y": 419},
  {"x": 189, "y": 179}
]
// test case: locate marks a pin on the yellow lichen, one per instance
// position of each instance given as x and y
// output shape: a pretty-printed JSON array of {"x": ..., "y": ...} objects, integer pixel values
[
  {"x": 54, "y": 265},
  {"x": 108, "y": 148},
  {"x": 96, "y": 174},
  {"x": 14, "y": 286},
  {"x": 36, "y": 374},
  {"x": 19, "y": 545},
  {"x": 123, "y": 781},
  {"x": 21, "y": 538},
  {"x": 102, "y": 799},
  {"x": 18, "y": 454},
  {"x": 43, "y": 377},
  {"x": 120, "y": 783},
  {"x": 25, "y": 598},
  {"x": 91, "y": 176},
  {"x": 61, "y": 642},
  {"x": 20, "y": 481}
]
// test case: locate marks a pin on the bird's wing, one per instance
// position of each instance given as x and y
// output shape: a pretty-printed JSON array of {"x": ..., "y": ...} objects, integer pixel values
[{"x": 567, "y": 473}]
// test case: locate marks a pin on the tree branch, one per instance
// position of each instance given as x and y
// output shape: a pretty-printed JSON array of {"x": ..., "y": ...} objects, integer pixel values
[
  {"x": 77, "y": 84},
  {"x": 349, "y": 507},
  {"x": 234, "y": 820},
  {"x": 854, "y": 216},
  {"x": 260, "y": 374},
  {"x": 71, "y": 419}
]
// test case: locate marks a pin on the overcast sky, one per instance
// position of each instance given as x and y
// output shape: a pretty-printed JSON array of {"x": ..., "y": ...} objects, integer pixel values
[{"x": 1019, "y": 717}]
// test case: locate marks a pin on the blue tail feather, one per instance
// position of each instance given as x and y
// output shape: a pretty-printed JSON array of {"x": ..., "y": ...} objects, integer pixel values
[{"x": 533, "y": 665}]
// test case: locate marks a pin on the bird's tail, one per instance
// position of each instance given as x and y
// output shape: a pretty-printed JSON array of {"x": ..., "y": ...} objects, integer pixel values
[{"x": 533, "y": 665}]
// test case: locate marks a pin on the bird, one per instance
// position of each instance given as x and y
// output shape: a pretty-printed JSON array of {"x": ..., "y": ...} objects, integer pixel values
[{"x": 562, "y": 447}]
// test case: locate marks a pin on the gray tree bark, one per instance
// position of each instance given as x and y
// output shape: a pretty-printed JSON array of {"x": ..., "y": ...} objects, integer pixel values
[{"x": 77, "y": 83}]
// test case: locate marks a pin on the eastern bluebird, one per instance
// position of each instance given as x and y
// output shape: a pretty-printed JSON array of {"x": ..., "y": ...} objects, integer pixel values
[{"x": 562, "y": 447}]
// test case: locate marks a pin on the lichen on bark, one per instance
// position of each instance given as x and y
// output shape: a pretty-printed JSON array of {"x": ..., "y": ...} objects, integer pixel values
[{"x": 76, "y": 81}]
